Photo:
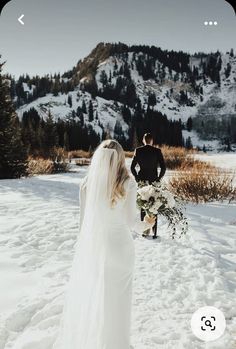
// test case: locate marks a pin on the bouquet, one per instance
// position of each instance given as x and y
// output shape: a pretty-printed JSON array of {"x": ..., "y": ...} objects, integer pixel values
[{"x": 156, "y": 199}]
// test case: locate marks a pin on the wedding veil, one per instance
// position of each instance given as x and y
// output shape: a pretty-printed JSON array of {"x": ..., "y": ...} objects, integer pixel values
[{"x": 83, "y": 315}]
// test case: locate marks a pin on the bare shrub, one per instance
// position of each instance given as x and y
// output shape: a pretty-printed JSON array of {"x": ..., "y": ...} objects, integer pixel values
[
  {"x": 79, "y": 154},
  {"x": 203, "y": 185},
  {"x": 39, "y": 166},
  {"x": 129, "y": 154},
  {"x": 58, "y": 154},
  {"x": 60, "y": 160},
  {"x": 62, "y": 166},
  {"x": 82, "y": 162},
  {"x": 179, "y": 158},
  {"x": 175, "y": 157},
  {"x": 197, "y": 165}
]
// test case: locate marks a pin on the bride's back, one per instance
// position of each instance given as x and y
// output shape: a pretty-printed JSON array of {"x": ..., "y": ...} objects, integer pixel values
[{"x": 111, "y": 213}]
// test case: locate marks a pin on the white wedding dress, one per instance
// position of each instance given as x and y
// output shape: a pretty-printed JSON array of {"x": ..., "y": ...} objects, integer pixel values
[{"x": 97, "y": 311}]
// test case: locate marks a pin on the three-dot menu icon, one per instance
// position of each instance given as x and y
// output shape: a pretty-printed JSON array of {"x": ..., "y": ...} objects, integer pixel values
[{"x": 210, "y": 23}]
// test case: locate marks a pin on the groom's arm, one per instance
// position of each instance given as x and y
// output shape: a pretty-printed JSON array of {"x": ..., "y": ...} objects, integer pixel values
[
  {"x": 162, "y": 165},
  {"x": 133, "y": 166}
]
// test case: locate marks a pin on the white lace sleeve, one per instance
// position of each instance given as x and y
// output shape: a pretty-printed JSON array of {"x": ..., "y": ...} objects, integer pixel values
[{"x": 132, "y": 219}]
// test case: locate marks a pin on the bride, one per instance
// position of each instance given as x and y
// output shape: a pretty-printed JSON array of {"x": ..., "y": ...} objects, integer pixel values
[{"x": 97, "y": 308}]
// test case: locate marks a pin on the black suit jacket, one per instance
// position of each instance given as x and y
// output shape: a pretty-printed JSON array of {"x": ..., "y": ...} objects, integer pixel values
[{"x": 149, "y": 159}]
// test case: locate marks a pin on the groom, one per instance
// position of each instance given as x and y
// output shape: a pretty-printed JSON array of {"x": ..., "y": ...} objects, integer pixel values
[{"x": 149, "y": 158}]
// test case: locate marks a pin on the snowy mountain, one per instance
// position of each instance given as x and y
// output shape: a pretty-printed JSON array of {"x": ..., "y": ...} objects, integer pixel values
[{"x": 117, "y": 85}]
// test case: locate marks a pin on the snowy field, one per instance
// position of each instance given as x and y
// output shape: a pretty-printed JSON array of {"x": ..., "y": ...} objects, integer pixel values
[
  {"x": 222, "y": 160},
  {"x": 39, "y": 225}
]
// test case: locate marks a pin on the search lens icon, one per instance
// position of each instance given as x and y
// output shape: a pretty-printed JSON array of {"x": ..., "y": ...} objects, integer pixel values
[{"x": 208, "y": 323}]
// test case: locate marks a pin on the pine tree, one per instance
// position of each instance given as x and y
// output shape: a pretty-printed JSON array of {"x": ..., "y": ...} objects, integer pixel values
[
  {"x": 84, "y": 109},
  {"x": 152, "y": 99},
  {"x": 118, "y": 131},
  {"x": 82, "y": 119},
  {"x": 110, "y": 78},
  {"x": 135, "y": 142},
  {"x": 183, "y": 99},
  {"x": 103, "y": 78},
  {"x": 13, "y": 157},
  {"x": 51, "y": 136},
  {"x": 126, "y": 114},
  {"x": 227, "y": 70},
  {"x": 188, "y": 143},
  {"x": 189, "y": 124},
  {"x": 66, "y": 141},
  {"x": 90, "y": 111},
  {"x": 70, "y": 101},
  {"x": 130, "y": 95},
  {"x": 41, "y": 136},
  {"x": 115, "y": 65},
  {"x": 56, "y": 88}
]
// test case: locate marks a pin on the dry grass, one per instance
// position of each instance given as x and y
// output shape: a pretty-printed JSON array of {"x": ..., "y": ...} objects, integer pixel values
[
  {"x": 177, "y": 157},
  {"x": 129, "y": 154},
  {"x": 203, "y": 183},
  {"x": 197, "y": 166},
  {"x": 80, "y": 154},
  {"x": 87, "y": 154},
  {"x": 38, "y": 166},
  {"x": 58, "y": 154}
]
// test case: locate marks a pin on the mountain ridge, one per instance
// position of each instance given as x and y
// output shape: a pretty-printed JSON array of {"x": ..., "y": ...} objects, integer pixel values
[{"x": 139, "y": 77}]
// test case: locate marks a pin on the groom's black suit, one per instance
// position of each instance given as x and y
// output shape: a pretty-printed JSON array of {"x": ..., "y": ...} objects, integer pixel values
[{"x": 149, "y": 159}]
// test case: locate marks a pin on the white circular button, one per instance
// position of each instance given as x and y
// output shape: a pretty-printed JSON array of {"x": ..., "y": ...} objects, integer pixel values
[{"x": 208, "y": 323}]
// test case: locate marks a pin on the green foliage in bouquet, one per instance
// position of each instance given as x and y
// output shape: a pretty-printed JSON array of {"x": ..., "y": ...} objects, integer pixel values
[{"x": 156, "y": 199}]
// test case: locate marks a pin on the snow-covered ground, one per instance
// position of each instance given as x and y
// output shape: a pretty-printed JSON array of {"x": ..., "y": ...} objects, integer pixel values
[
  {"x": 39, "y": 224},
  {"x": 222, "y": 160}
]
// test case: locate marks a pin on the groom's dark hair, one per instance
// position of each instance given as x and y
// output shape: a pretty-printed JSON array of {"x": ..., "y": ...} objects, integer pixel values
[{"x": 147, "y": 138}]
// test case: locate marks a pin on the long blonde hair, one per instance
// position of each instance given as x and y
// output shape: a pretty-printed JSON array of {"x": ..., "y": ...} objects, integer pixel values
[{"x": 118, "y": 183}]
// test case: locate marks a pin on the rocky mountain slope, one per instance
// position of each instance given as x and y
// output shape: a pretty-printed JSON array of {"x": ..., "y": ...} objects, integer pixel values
[{"x": 115, "y": 82}]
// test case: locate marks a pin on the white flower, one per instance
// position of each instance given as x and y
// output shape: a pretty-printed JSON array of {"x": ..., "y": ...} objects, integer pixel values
[
  {"x": 160, "y": 196},
  {"x": 145, "y": 192},
  {"x": 155, "y": 207},
  {"x": 155, "y": 196},
  {"x": 171, "y": 201}
]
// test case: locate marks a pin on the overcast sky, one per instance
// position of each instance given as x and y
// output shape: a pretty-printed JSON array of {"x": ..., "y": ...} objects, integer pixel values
[{"x": 57, "y": 33}]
